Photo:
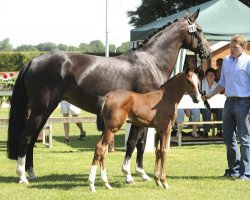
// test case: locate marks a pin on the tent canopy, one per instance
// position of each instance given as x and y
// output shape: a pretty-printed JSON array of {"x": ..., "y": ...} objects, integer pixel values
[{"x": 219, "y": 19}]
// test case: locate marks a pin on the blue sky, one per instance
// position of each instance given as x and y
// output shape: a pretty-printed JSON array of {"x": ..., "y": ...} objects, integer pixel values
[{"x": 64, "y": 21}]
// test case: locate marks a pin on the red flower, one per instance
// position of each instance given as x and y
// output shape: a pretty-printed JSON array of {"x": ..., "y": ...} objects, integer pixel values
[
  {"x": 4, "y": 75},
  {"x": 11, "y": 74}
]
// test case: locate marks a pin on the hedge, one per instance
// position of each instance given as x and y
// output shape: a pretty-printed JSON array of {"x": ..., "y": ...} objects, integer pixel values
[{"x": 14, "y": 61}]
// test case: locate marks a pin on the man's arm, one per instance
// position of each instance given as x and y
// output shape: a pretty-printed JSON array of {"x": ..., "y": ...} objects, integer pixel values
[{"x": 216, "y": 90}]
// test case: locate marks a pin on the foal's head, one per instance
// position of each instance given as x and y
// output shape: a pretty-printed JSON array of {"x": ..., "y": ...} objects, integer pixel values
[{"x": 190, "y": 84}]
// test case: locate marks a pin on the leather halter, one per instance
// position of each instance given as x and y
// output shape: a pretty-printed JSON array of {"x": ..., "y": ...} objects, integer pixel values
[{"x": 200, "y": 47}]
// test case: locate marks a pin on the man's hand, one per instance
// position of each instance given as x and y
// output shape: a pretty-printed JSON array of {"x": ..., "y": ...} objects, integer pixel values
[
  {"x": 205, "y": 97},
  {"x": 248, "y": 117}
]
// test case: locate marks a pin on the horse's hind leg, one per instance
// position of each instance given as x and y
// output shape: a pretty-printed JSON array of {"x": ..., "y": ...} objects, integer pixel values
[
  {"x": 140, "y": 146},
  {"x": 135, "y": 134},
  {"x": 99, "y": 156}
]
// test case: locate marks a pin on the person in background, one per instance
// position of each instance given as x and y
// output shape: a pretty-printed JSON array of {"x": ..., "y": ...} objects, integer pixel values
[
  {"x": 219, "y": 62},
  {"x": 67, "y": 108},
  {"x": 209, "y": 84},
  {"x": 193, "y": 115},
  {"x": 235, "y": 78}
]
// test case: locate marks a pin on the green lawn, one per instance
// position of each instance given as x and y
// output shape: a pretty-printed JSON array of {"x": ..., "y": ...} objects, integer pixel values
[{"x": 193, "y": 171}]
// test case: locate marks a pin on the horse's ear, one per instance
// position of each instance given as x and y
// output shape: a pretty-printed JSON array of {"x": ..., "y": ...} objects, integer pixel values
[
  {"x": 187, "y": 13},
  {"x": 195, "y": 15}
]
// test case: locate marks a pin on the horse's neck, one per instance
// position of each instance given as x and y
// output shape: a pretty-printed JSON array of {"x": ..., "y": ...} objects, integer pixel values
[{"x": 164, "y": 50}]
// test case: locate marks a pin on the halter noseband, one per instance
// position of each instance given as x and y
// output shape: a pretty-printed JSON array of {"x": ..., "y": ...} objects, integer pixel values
[{"x": 200, "y": 47}]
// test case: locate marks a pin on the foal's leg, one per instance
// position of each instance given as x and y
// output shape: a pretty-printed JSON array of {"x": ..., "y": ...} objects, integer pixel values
[
  {"x": 157, "y": 160},
  {"x": 164, "y": 142},
  {"x": 98, "y": 158}
]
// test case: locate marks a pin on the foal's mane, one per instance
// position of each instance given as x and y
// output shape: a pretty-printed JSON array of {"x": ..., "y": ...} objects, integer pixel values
[
  {"x": 154, "y": 33},
  {"x": 171, "y": 80}
]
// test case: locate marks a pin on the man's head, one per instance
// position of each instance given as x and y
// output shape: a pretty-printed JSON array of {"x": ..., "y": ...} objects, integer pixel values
[{"x": 238, "y": 45}]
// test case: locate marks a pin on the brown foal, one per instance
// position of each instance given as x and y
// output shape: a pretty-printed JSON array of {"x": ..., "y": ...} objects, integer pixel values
[{"x": 155, "y": 109}]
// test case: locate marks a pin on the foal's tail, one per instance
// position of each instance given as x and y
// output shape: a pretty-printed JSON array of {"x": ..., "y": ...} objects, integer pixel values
[
  {"x": 99, "y": 120},
  {"x": 18, "y": 114}
]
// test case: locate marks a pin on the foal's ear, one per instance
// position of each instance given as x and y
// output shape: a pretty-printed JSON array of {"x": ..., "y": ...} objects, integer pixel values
[
  {"x": 187, "y": 13},
  {"x": 195, "y": 15}
]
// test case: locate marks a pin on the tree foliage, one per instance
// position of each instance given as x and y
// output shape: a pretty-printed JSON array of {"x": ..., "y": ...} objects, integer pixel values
[
  {"x": 150, "y": 11},
  {"x": 94, "y": 47},
  {"x": 5, "y": 45}
]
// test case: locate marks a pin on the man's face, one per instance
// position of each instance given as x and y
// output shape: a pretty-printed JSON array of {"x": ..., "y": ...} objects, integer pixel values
[{"x": 236, "y": 49}]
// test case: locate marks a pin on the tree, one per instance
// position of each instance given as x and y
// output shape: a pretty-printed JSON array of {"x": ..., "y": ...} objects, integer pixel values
[
  {"x": 63, "y": 47},
  {"x": 150, "y": 11},
  {"x": 112, "y": 48},
  {"x": 84, "y": 47},
  {"x": 46, "y": 46},
  {"x": 26, "y": 47},
  {"x": 96, "y": 46},
  {"x": 5, "y": 45},
  {"x": 123, "y": 48}
]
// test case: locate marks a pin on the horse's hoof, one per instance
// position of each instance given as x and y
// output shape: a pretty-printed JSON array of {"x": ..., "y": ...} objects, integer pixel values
[
  {"x": 92, "y": 187},
  {"x": 129, "y": 179},
  {"x": 130, "y": 182},
  {"x": 106, "y": 184},
  {"x": 145, "y": 177},
  {"x": 23, "y": 181}
]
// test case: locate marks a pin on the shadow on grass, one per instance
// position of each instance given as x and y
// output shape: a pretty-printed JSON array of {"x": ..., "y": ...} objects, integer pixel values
[
  {"x": 61, "y": 181},
  {"x": 69, "y": 181},
  {"x": 88, "y": 144}
]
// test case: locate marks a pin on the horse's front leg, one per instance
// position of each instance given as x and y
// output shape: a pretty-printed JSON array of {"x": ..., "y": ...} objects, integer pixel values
[
  {"x": 98, "y": 158},
  {"x": 157, "y": 160},
  {"x": 164, "y": 142}
]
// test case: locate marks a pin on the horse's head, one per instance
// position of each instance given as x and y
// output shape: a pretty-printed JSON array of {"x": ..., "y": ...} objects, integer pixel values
[
  {"x": 190, "y": 85},
  {"x": 194, "y": 39}
]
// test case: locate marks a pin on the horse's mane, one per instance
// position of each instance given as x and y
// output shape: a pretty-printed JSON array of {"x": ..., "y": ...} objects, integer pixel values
[
  {"x": 145, "y": 41},
  {"x": 170, "y": 80}
]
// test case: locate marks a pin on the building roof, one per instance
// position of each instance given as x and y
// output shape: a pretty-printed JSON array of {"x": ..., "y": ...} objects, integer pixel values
[{"x": 219, "y": 19}]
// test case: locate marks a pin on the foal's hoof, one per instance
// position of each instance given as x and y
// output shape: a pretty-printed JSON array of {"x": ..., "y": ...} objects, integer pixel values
[
  {"x": 158, "y": 182},
  {"x": 165, "y": 185}
]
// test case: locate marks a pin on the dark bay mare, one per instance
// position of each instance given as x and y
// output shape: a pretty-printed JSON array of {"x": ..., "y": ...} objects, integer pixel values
[
  {"x": 155, "y": 109},
  {"x": 81, "y": 79}
]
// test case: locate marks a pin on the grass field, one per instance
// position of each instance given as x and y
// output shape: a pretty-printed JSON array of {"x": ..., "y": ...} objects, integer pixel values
[{"x": 193, "y": 172}]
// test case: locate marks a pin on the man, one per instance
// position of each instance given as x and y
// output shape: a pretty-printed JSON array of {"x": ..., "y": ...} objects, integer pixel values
[
  {"x": 235, "y": 78},
  {"x": 67, "y": 108}
]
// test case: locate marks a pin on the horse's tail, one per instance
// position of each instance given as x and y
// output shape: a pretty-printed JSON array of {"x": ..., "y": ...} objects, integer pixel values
[
  {"x": 18, "y": 114},
  {"x": 99, "y": 119}
]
